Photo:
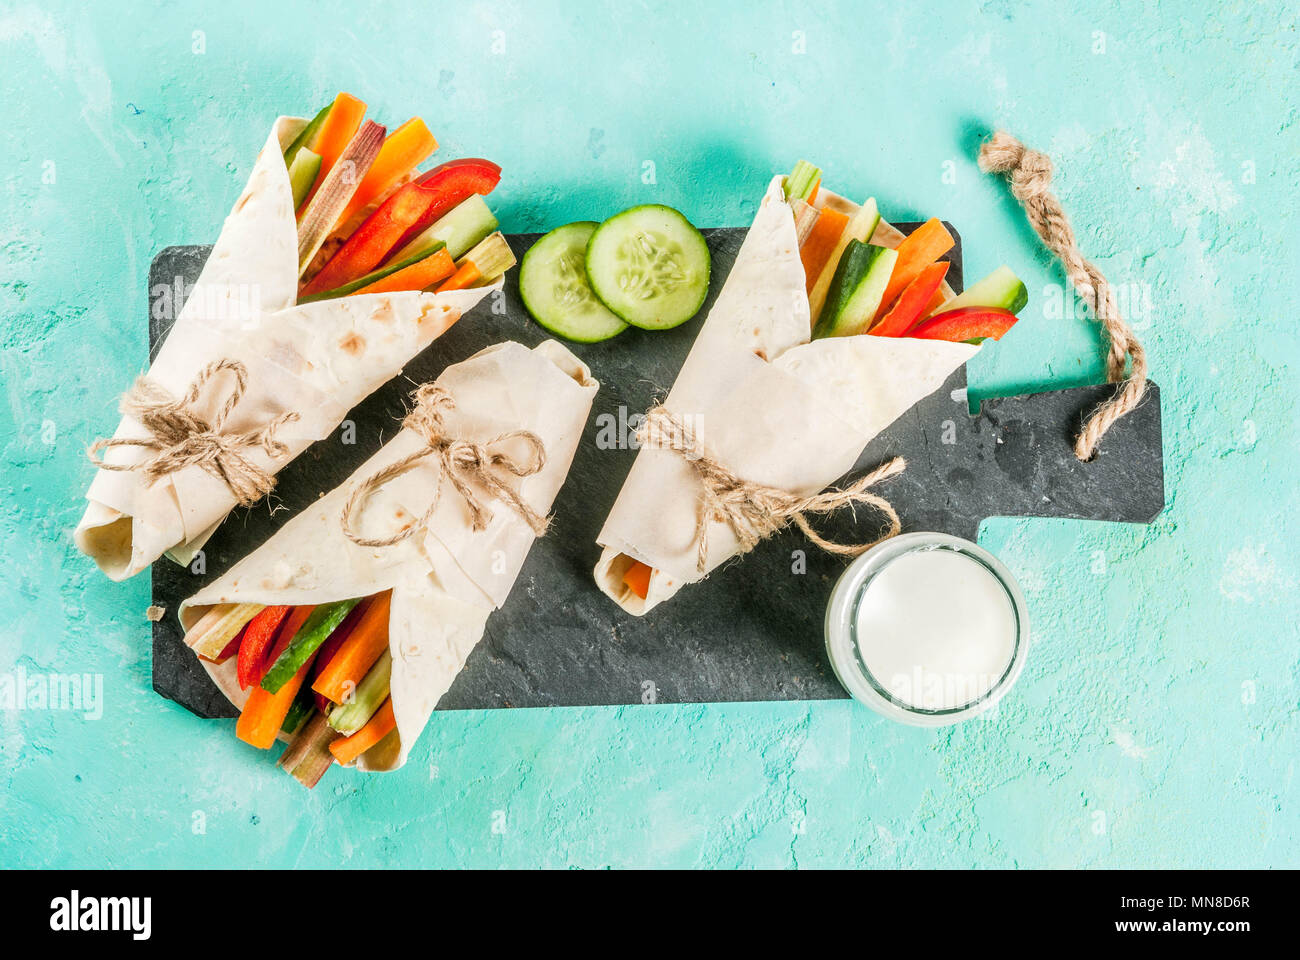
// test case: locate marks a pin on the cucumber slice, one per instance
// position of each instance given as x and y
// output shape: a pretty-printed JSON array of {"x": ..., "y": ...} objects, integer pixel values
[
  {"x": 553, "y": 285},
  {"x": 1001, "y": 289},
  {"x": 649, "y": 266}
]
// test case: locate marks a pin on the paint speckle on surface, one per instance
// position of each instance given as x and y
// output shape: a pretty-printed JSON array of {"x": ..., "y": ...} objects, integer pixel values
[{"x": 1157, "y": 718}]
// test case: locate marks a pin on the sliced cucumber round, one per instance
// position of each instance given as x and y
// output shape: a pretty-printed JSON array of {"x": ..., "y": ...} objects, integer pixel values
[
  {"x": 649, "y": 266},
  {"x": 554, "y": 288}
]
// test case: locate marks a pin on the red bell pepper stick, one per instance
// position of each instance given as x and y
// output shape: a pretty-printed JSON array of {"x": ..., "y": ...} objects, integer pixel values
[
  {"x": 411, "y": 209},
  {"x": 451, "y": 183},
  {"x": 364, "y": 250},
  {"x": 965, "y": 324},
  {"x": 257, "y": 640}
]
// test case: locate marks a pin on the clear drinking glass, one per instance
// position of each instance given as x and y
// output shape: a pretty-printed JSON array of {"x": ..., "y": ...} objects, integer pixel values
[{"x": 842, "y": 625}]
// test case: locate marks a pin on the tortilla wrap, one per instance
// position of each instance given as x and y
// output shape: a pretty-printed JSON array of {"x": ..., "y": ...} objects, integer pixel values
[
  {"x": 318, "y": 360},
  {"x": 447, "y": 578},
  {"x": 775, "y": 407}
]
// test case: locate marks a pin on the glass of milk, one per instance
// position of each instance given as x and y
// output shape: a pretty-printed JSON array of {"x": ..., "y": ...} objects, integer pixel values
[{"x": 927, "y": 629}]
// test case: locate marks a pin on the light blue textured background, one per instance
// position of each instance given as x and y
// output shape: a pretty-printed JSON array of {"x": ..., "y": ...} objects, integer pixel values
[{"x": 1156, "y": 723}]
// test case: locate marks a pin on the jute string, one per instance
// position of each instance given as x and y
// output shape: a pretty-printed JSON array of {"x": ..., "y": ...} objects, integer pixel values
[
  {"x": 469, "y": 467},
  {"x": 1030, "y": 173},
  {"x": 755, "y": 511},
  {"x": 183, "y": 438}
]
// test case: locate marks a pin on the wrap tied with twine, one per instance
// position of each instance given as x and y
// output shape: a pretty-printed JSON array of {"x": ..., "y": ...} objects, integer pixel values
[
  {"x": 468, "y": 466},
  {"x": 1030, "y": 173},
  {"x": 181, "y": 437},
  {"x": 755, "y": 511}
]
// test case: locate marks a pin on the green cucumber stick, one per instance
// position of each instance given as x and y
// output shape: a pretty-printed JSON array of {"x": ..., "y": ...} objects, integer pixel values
[
  {"x": 306, "y": 166},
  {"x": 307, "y": 136},
  {"x": 353, "y": 714},
  {"x": 322, "y": 622}
]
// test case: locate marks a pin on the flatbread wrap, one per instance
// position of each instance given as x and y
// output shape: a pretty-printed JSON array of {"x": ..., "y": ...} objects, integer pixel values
[
  {"x": 322, "y": 285},
  {"x": 343, "y": 630},
  {"x": 828, "y": 328}
]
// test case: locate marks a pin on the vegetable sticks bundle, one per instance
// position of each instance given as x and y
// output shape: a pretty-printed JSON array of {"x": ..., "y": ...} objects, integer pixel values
[
  {"x": 830, "y": 326},
  {"x": 337, "y": 264}
]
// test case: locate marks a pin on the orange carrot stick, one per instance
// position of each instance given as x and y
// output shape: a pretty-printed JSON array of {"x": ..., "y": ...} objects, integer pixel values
[
  {"x": 423, "y": 273},
  {"x": 335, "y": 134},
  {"x": 364, "y": 645},
  {"x": 383, "y": 723},
  {"x": 637, "y": 578},
  {"x": 920, "y": 248},
  {"x": 907, "y": 310},
  {"x": 819, "y": 246},
  {"x": 264, "y": 713},
  {"x": 466, "y": 274},
  {"x": 404, "y": 149}
]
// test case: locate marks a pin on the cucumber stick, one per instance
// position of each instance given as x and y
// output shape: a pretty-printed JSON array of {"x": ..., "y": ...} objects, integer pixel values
[
  {"x": 553, "y": 285},
  {"x": 322, "y": 622},
  {"x": 307, "y": 136},
  {"x": 856, "y": 290},
  {"x": 299, "y": 711},
  {"x": 369, "y": 696},
  {"x": 460, "y": 228},
  {"x": 1001, "y": 289},
  {"x": 374, "y": 275},
  {"x": 303, "y": 174},
  {"x": 860, "y": 227},
  {"x": 649, "y": 266}
]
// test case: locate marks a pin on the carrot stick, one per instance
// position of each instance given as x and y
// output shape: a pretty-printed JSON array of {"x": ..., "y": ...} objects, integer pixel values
[
  {"x": 819, "y": 246},
  {"x": 264, "y": 712},
  {"x": 424, "y": 273},
  {"x": 335, "y": 134},
  {"x": 637, "y": 578},
  {"x": 364, "y": 645},
  {"x": 379, "y": 726},
  {"x": 920, "y": 248},
  {"x": 404, "y": 149},
  {"x": 466, "y": 274},
  {"x": 907, "y": 310}
]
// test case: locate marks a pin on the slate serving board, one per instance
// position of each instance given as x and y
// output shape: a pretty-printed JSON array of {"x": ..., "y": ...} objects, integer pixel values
[{"x": 753, "y": 630}]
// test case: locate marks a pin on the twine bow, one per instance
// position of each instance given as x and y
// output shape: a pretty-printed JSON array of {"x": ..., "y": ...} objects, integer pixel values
[
  {"x": 1030, "y": 173},
  {"x": 182, "y": 438},
  {"x": 755, "y": 511},
  {"x": 466, "y": 464}
]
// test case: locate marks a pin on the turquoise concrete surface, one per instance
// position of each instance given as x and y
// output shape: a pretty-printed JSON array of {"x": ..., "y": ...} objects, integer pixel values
[{"x": 1156, "y": 722}]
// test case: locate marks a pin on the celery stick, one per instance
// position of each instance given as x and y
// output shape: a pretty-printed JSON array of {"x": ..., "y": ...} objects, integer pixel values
[
  {"x": 492, "y": 256},
  {"x": 805, "y": 218},
  {"x": 336, "y": 191},
  {"x": 308, "y": 756},
  {"x": 799, "y": 184},
  {"x": 460, "y": 228},
  {"x": 218, "y": 627},
  {"x": 370, "y": 693},
  {"x": 302, "y": 175},
  {"x": 322, "y": 622}
]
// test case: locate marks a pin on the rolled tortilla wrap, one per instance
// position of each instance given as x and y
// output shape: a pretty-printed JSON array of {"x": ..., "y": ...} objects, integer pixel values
[
  {"x": 773, "y": 406},
  {"x": 318, "y": 360},
  {"x": 447, "y": 578}
]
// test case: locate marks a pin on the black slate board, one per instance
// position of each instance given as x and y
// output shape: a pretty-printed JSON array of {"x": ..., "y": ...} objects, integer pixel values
[{"x": 753, "y": 630}]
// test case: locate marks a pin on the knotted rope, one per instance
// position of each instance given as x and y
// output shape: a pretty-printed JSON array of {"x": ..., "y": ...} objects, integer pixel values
[
  {"x": 468, "y": 465},
  {"x": 755, "y": 511},
  {"x": 1030, "y": 173},
  {"x": 182, "y": 438}
]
